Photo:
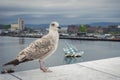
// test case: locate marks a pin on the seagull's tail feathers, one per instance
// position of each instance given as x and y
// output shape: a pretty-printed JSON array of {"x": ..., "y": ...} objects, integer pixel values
[{"x": 13, "y": 62}]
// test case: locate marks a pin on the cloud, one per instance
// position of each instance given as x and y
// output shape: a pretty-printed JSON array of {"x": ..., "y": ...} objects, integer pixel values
[{"x": 65, "y": 11}]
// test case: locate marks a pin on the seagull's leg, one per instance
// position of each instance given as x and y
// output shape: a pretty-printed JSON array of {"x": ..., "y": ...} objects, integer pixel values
[{"x": 42, "y": 67}]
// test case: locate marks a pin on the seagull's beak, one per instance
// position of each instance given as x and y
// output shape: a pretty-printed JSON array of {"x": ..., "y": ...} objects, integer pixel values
[{"x": 59, "y": 27}]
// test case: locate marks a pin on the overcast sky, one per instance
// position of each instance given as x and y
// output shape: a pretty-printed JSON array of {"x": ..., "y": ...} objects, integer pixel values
[{"x": 63, "y": 11}]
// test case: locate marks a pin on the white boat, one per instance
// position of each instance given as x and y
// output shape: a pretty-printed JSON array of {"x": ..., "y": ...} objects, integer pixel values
[{"x": 72, "y": 51}]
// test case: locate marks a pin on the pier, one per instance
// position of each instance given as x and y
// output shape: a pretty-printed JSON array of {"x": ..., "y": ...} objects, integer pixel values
[{"x": 104, "y": 69}]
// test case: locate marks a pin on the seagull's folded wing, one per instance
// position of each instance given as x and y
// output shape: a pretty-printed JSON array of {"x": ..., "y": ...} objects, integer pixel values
[{"x": 37, "y": 49}]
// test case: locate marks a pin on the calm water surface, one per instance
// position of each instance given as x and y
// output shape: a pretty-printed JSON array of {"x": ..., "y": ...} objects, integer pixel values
[{"x": 94, "y": 50}]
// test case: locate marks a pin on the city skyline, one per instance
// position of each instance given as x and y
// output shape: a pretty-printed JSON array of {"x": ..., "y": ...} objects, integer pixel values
[{"x": 63, "y": 11}]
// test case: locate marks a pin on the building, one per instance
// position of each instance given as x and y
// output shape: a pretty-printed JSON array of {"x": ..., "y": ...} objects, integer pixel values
[
  {"x": 92, "y": 29},
  {"x": 73, "y": 29},
  {"x": 114, "y": 29},
  {"x": 19, "y": 26},
  {"x": 118, "y": 26},
  {"x": 14, "y": 27},
  {"x": 63, "y": 30}
]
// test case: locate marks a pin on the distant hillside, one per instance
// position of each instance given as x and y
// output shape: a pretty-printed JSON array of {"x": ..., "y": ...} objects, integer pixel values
[
  {"x": 38, "y": 26},
  {"x": 105, "y": 24},
  {"x": 4, "y": 26}
]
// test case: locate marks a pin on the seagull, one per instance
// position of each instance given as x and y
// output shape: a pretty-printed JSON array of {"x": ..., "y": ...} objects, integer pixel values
[{"x": 39, "y": 49}]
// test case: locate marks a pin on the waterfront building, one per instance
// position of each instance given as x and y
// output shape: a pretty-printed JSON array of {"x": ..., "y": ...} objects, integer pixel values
[
  {"x": 92, "y": 29},
  {"x": 18, "y": 26},
  {"x": 114, "y": 29},
  {"x": 118, "y": 26},
  {"x": 63, "y": 30},
  {"x": 14, "y": 27},
  {"x": 73, "y": 29}
]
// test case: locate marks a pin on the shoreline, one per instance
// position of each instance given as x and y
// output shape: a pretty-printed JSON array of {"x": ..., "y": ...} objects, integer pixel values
[
  {"x": 74, "y": 38},
  {"x": 90, "y": 39}
]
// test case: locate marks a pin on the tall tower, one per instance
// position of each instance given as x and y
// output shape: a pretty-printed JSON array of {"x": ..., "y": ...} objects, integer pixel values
[{"x": 21, "y": 24}]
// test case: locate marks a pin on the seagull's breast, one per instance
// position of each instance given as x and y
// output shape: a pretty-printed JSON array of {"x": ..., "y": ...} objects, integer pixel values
[{"x": 52, "y": 47}]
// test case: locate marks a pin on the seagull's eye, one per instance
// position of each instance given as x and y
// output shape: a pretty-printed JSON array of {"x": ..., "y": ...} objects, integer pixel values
[{"x": 52, "y": 24}]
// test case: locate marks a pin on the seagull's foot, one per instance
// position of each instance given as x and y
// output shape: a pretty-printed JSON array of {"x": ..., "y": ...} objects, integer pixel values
[{"x": 45, "y": 69}]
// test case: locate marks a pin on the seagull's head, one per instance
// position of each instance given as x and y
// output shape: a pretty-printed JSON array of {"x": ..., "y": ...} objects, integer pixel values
[{"x": 54, "y": 26}]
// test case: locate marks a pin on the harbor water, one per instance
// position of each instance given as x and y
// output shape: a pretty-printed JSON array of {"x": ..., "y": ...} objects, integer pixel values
[{"x": 93, "y": 50}]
